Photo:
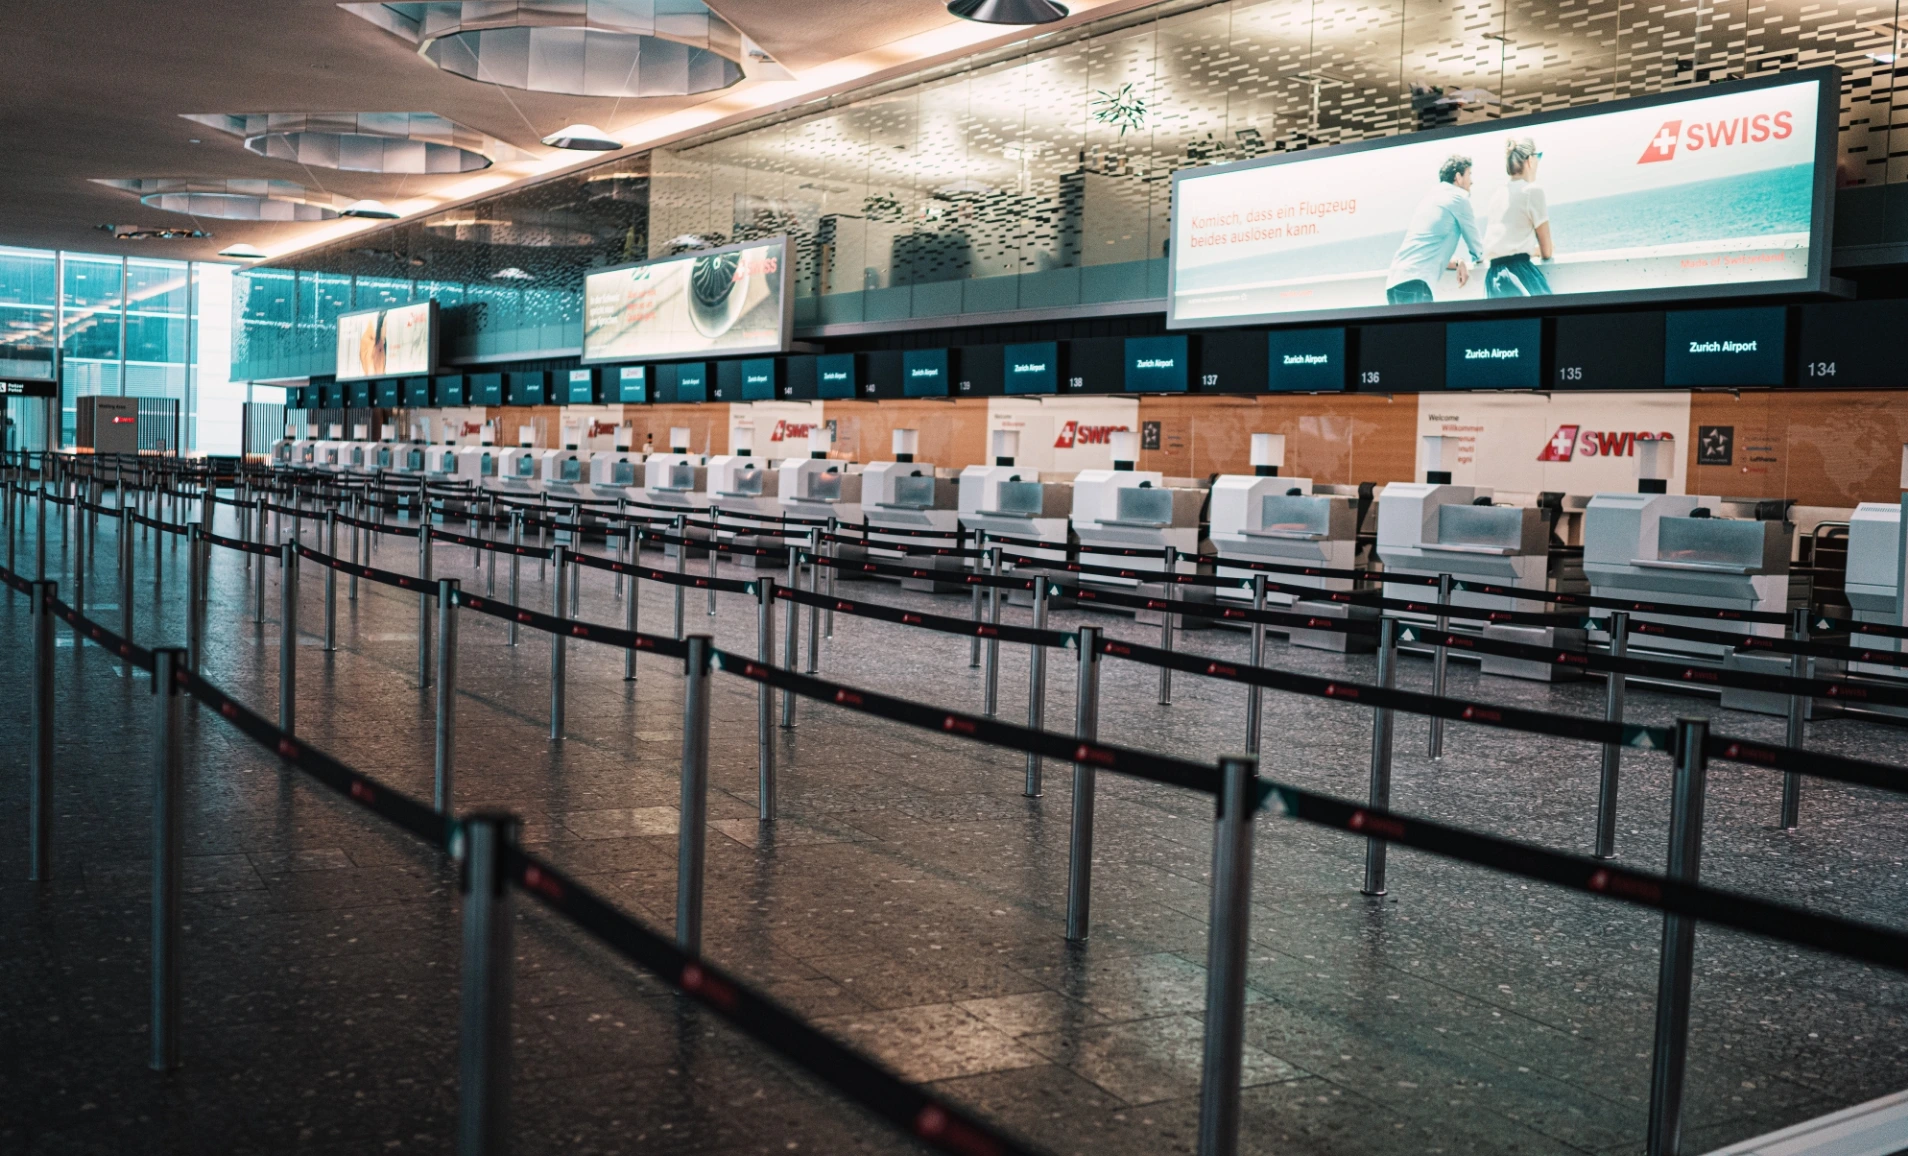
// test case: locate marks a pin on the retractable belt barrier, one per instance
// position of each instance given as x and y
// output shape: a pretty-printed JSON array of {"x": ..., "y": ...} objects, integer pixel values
[
  {"x": 1880, "y": 629},
  {"x": 86, "y": 628},
  {"x": 1219, "y": 612},
  {"x": 942, "y": 623},
  {"x": 1762, "y": 642},
  {"x": 571, "y": 627},
  {"x": 1688, "y": 673},
  {"x": 905, "y": 548},
  {"x": 379, "y": 527},
  {"x": 1601, "y": 602},
  {"x": 477, "y": 543},
  {"x": 869, "y": 530},
  {"x": 162, "y": 526},
  {"x": 951, "y": 577},
  {"x": 670, "y": 577},
  {"x": 240, "y": 545},
  {"x": 385, "y": 577}
]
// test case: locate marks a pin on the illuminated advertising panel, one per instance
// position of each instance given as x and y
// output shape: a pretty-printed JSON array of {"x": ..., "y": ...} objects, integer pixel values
[
  {"x": 396, "y": 342},
  {"x": 1724, "y": 190},
  {"x": 730, "y": 300}
]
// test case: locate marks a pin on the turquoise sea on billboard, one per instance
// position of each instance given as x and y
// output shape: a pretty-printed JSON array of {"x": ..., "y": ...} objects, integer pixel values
[{"x": 1765, "y": 203}]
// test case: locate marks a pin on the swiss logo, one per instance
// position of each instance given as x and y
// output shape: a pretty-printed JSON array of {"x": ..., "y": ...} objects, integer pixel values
[
  {"x": 1561, "y": 445},
  {"x": 1075, "y": 434},
  {"x": 1663, "y": 144}
]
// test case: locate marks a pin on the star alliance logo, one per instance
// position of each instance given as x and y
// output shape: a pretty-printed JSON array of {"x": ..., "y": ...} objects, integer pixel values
[{"x": 1715, "y": 445}]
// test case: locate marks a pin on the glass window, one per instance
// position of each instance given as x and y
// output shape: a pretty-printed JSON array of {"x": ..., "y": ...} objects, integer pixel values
[{"x": 92, "y": 310}]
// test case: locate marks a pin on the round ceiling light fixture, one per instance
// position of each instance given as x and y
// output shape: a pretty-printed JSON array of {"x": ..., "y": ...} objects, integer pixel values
[
  {"x": 370, "y": 210},
  {"x": 360, "y": 152},
  {"x": 243, "y": 252},
  {"x": 1008, "y": 11},
  {"x": 582, "y": 61},
  {"x": 583, "y": 137},
  {"x": 238, "y": 207}
]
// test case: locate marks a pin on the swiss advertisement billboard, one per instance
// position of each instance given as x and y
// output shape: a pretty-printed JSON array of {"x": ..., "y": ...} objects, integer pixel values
[
  {"x": 396, "y": 342},
  {"x": 1719, "y": 191},
  {"x": 731, "y": 300}
]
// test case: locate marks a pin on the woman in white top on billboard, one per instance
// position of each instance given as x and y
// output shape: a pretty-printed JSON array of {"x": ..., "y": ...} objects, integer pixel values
[{"x": 1518, "y": 227}]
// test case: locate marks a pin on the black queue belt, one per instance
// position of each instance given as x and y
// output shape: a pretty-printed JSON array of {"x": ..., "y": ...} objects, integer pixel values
[
  {"x": 571, "y": 627},
  {"x": 1764, "y": 643},
  {"x": 14, "y": 581},
  {"x": 1217, "y": 581},
  {"x": 1412, "y": 702},
  {"x": 945, "y": 624},
  {"x": 86, "y": 628},
  {"x": 1694, "y": 674},
  {"x": 905, "y": 548},
  {"x": 240, "y": 545},
  {"x": 1778, "y": 921},
  {"x": 1601, "y": 602},
  {"x": 869, "y": 531},
  {"x": 895, "y": 570},
  {"x": 1840, "y": 768},
  {"x": 1879, "y": 629},
  {"x": 380, "y": 527},
  {"x": 1320, "y": 571},
  {"x": 477, "y": 543},
  {"x": 411, "y": 814},
  {"x": 778, "y": 553},
  {"x": 162, "y": 526},
  {"x": 369, "y": 573},
  {"x": 1064, "y": 748},
  {"x": 1220, "y": 612},
  {"x": 668, "y": 577},
  {"x": 936, "y": 1122}
]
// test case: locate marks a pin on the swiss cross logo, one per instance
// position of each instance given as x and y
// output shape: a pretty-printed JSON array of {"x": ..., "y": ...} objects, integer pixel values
[
  {"x": 1074, "y": 434},
  {"x": 1663, "y": 144},
  {"x": 1561, "y": 445},
  {"x": 602, "y": 428}
]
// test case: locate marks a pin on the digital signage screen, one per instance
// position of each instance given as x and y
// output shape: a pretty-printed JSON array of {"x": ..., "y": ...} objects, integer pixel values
[
  {"x": 1406, "y": 358},
  {"x": 730, "y": 300},
  {"x": 401, "y": 340},
  {"x": 1608, "y": 351},
  {"x": 1033, "y": 368},
  {"x": 1158, "y": 365},
  {"x": 530, "y": 387},
  {"x": 835, "y": 375},
  {"x": 1851, "y": 343},
  {"x": 358, "y": 395},
  {"x": 484, "y": 389},
  {"x": 417, "y": 391},
  {"x": 758, "y": 379},
  {"x": 1305, "y": 360},
  {"x": 1725, "y": 190},
  {"x": 924, "y": 373},
  {"x": 632, "y": 385},
  {"x": 1494, "y": 354},
  {"x": 692, "y": 382},
  {"x": 580, "y": 387},
  {"x": 448, "y": 390},
  {"x": 1724, "y": 347}
]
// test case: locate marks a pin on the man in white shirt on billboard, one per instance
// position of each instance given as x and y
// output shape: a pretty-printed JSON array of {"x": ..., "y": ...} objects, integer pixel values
[{"x": 1442, "y": 220}]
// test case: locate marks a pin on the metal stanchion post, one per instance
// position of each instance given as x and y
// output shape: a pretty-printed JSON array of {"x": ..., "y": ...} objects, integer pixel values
[
  {"x": 765, "y": 699},
  {"x": 1613, "y": 688},
  {"x": 258, "y": 569},
  {"x": 331, "y": 582},
  {"x": 516, "y": 571},
  {"x": 1440, "y": 660},
  {"x": 39, "y": 533},
  {"x": 834, "y": 551},
  {"x": 485, "y": 988},
  {"x": 632, "y": 607},
  {"x": 126, "y": 576},
  {"x": 1383, "y": 721},
  {"x": 814, "y": 612},
  {"x": 1798, "y": 722},
  {"x": 715, "y": 523},
  {"x": 40, "y": 748},
  {"x": 447, "y": 595},
  {"x": 424, "y": 603},
  {"x": 1086, "y": 727},
  {"x": 79, "y": 557},
  {"x": 490, "y": 556},
  {"x": 168, "y": 788},
  {"x": 1219, "y": 1096},
  {"x": 990, "y": 692},
  {"x": 1166, "y": 625},
  {"x": 1671, "y": 1050},
  {"x": 197, "y": 560},
  {"x": 694, "y": 806},
  {"x": 559, "y": 643},
  {"x": 576, "y": 572},
  {"x": 1036, "y": 689},
  {"x": 974, "y": 649},
  {"x": 287, "y": 635},
  {"x": 357, "y": 514},
  {"x": 1255, "y": 694},
  {"x": 791, "y": 628},
  {"x": 681, "y": 527}
]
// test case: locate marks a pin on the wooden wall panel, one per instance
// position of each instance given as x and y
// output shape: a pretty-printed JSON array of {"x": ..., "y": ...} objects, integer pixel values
[
  {"x": 1340, "y": 440},
  {"x": 708, "y": 425},
  {"x": 953, "y": 432},
  {"x": 1820, "y": 447}
]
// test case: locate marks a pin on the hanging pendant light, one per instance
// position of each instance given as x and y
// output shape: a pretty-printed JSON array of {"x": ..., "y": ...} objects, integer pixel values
[
  {"x": 1008, "y": 11},
  {"x": 583, "y": 137}
]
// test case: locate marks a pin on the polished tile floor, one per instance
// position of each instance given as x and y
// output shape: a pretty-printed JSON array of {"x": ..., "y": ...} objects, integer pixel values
[{"x": 910, "y": 900}]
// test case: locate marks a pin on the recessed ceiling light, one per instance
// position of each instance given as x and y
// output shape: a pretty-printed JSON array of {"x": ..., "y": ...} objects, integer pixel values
[
  {"x": 585, "y": 137},
  {"x": 372, "y": 210},
  {"x": 243, "y": 252},
  {"x": 513, "y": 274},
  {"x": 1008, "y": 11}
]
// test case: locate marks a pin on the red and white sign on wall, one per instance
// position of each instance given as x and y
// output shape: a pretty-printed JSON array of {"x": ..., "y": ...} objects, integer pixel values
[
  {"x": 1576, "y": 443},
  {"x": 1064, "y": 434},
  {"x": 775, "y": 429}
]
